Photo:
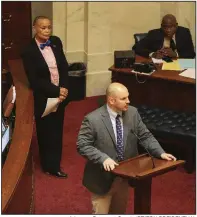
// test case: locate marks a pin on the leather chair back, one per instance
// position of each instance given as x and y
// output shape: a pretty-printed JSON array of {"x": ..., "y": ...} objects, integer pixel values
[{"x": 139, "y": 36}]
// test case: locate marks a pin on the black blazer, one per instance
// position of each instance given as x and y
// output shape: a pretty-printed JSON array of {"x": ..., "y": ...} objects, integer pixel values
[
  {"x": 155, "y": 38},
  {"x": 39, "y": 75}
]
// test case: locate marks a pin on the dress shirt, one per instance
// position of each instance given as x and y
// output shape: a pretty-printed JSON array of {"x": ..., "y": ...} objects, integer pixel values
[
  {"x": 113, "y": 115},
  {"x": 51, "y": 62},
  {"x": 166, "y": 42},
  {"x": 49, "y": 57}
]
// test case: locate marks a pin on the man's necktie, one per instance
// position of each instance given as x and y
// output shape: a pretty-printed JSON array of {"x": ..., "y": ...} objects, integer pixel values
[
  {"x": 172, "y": 44},
  {"x": 43, "y": 45},
  {"x": 119, "y": 144}
]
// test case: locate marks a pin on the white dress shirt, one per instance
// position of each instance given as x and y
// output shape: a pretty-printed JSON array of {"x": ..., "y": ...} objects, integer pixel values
[{"x": 113, "y": 115}]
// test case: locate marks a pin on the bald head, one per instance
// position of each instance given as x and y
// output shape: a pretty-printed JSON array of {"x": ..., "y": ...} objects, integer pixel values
[
  {"x": 114, "y": 88},
  {"x": 169, "y": 18},
  {"x": 117, "y": 97},
  {"x": 169, "y": 25}
]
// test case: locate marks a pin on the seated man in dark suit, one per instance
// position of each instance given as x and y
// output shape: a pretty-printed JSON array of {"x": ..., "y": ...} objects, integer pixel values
[{"x": 170, "y": 40}]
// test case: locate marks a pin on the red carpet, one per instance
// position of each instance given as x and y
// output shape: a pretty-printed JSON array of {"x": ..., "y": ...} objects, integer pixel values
[{"x": 172, "y": 193}]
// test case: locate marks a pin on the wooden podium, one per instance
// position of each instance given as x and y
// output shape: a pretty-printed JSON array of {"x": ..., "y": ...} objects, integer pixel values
[{"x": 139, "y": 172}]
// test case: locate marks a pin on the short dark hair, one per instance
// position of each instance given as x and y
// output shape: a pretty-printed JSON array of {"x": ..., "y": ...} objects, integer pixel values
[{"x": 39, "y": 18}]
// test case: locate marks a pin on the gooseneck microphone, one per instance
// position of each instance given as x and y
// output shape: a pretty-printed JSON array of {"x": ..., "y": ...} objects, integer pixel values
[{"x": 153, "y": 163}]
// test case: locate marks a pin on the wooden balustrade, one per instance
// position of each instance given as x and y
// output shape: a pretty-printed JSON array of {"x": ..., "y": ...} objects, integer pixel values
[{"x": 17, "y": 172}]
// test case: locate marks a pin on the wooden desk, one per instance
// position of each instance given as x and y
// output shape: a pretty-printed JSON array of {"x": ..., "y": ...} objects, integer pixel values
[{"x": 163, "y": 89}]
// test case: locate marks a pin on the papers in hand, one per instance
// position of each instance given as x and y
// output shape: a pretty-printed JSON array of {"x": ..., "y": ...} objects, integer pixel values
[
  {"x": 51, "y": 106},
  {"x": 189, "y": 73}
]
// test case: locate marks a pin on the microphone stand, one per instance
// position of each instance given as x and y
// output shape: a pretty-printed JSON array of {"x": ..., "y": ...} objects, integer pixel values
[{"x": 153, "y": 163}]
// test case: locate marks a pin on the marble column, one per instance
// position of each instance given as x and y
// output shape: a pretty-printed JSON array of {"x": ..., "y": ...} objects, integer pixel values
[
  {"x": 98, "y": 47},
  {"x": 75, "y": 31},
  {"x": 60, "y": 22}
]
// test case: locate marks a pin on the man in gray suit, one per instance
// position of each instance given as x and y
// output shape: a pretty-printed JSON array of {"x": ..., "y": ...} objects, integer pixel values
[{"x": 107, "y": 136}]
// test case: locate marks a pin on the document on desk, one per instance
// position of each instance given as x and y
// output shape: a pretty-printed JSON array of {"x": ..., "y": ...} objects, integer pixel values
[
  {"x": 187, "y": 63},
  {"x": 51, "y": 106},
  {"x": 171, "y": 66},
  {"x": 157, "y": 61},
  {"x": 189, "y": 73}
]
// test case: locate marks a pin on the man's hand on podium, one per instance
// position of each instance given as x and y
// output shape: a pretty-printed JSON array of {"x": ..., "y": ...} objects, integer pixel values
[
  {"x": 167, "y": 156},
  {"x": 109, "y": 164}
]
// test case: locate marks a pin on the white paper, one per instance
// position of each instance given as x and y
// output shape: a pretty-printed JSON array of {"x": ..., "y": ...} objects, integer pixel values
[
  {"x": 189, "y": 73},
  {"x": 187, "y": 63},
  {"x": 157, "y": 60},
  {"x": 171, "y": 66},
  {"x": 143, "y": 73},
  {"x": 51, "y": 106}
]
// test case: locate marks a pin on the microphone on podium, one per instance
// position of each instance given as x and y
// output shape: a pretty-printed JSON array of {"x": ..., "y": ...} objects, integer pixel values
[{"x": 153, "y": 163}]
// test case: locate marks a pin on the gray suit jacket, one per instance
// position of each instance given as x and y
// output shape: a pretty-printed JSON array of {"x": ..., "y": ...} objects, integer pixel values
[{"x": 96, "y": 142}]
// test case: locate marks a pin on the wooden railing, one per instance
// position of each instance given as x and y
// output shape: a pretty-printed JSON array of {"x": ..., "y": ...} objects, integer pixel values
[{"x": 17, "y": 172}]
